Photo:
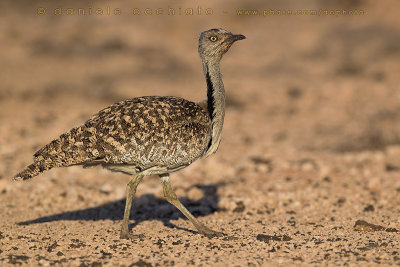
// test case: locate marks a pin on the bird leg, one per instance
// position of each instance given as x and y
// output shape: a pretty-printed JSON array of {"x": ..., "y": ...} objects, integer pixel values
[
  {"x": 130, "y": 193},
  {"x": 173, "y": 199}
]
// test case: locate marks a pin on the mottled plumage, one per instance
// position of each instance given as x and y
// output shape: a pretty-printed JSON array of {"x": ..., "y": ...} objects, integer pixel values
[{"x": 148, "y": 135}]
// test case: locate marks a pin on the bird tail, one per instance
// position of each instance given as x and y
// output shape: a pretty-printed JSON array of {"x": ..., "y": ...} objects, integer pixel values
[{"x": 31, "y": 171}]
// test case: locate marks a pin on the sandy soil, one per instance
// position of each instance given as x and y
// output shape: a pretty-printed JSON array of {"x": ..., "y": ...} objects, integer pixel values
[{"x": 308, "y": 169}]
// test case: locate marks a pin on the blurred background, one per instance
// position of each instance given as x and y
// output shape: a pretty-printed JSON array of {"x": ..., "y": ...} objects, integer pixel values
[
  {"x": 310, "y": 145},
  {"x": 311, "y": 82}
]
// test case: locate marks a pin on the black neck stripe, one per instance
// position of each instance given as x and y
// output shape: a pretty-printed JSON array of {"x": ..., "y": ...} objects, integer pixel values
[
  {"x": 210, "y": 101},
  {"x": 210, "y": 96}
]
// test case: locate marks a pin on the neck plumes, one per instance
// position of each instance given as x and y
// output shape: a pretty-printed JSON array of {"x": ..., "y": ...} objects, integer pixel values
[{"x": 215, "y": 102}]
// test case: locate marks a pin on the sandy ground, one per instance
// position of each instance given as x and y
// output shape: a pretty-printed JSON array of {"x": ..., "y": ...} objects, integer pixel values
[{"x": 308, "y": 169}]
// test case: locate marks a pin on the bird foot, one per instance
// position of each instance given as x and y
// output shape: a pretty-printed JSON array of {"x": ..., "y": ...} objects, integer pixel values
[
  {"x": 211, "y": 233},
  {"x": 130, "y": 236}
]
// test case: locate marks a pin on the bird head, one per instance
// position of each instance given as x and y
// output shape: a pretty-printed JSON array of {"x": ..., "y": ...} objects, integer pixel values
[{"x": 214, "y": 43}]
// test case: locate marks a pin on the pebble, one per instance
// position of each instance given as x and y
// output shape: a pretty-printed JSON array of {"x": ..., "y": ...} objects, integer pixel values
[
  {"x": 106, "y": 189},
  {"x": 374, "y": 184},
  {"x": 195, "y": 193}
]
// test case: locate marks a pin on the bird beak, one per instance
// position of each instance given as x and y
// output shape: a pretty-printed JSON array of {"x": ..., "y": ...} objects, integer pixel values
[{"x": 237, "y": 37}]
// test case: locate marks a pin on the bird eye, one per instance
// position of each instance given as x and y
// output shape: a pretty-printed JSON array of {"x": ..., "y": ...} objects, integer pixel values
[{"x": 213, "y": 38}]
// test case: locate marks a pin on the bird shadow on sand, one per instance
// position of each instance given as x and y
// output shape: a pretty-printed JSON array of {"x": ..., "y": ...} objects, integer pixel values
[{"x": 149, "y": 208}]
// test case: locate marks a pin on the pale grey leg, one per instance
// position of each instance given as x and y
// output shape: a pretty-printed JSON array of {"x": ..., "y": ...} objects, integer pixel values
[
  {"x": 130, "y": 193},
  {"x": 173, "y": 199}
]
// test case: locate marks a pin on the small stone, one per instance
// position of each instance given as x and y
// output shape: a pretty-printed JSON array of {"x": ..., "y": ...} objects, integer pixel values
[
  {"x": 106, "y": 189},
  {"x": 327, "y": 179},
  {"x": 180, "y": 191},
  {"x": 4, "y": 186},
  {"x": 391, "y": 167},
  {"x": 341, "y": 201},
  {"x": 240, "y": 207},
  {"x": 262, "y": 165},
  {"x": 369, "y": 208},
  {"x": 195, "y": 193},
  {"x": 308, "y": 165},
  {"x": 268, "y": 238},
  {"x": 141, "y": 263},
  {"x": 374, "y": 184},
  {"x": 44, "y": 262},
  {"x": 52, "y": 247},
  {"x": 226, "y": 204},
  {"x": 364, "y": 226}
]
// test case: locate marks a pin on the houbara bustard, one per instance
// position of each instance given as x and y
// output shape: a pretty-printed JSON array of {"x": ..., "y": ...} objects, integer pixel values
[{"x": 150, "y": 135}]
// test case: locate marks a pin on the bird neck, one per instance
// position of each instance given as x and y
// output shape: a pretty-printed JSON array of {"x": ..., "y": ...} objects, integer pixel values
[{"x": 215, "y": 102}]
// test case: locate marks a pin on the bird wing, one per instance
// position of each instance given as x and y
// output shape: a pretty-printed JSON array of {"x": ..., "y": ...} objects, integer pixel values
[{"x": 143, "y": 132}]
